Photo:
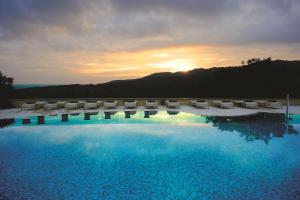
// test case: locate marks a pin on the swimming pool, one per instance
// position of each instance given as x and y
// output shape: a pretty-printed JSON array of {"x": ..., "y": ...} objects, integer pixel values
[{"x": 160, "y": 156}]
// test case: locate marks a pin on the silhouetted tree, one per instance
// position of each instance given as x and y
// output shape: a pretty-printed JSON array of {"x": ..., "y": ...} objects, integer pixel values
[
  {"x": 6, "y": 89},
  {"x": 253, "y": 60},
  {"x": 269, "y": 59}
]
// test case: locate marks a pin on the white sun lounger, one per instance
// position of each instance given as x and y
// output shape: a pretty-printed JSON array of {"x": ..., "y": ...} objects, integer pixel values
[
  {"x": 216, "y": 103},
  {"x": 151, "y": 104},
  {"x": 72, "y": 105},
  {"x": 28, "y": 106},
  {"x": 261, "y": 103},
  {"x": 40, "y": 105},
  {"x": 50, "y": 106},
  {"x": 110, "y": 104},
  {"x": 130, "y": 104},
  {"x": 250, "y": 104},
  {"x": 81, "y": 104},
  {"x": 172, "y": 103},
  {"x": 61, "y": 104},
  {"x": 223, "y": 104},
  {"x": 90, "y": 105},
  {"x": 199, "y": 104},
  {"x": 273, "y": 104},
  {"x": 239, "y": 103},
  {"x": 226, "y": 104}
]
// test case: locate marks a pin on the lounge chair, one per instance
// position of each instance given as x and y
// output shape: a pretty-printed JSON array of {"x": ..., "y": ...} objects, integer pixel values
[
  {"x": 151, "y": 104},
  {"x": 61, "y": 104},
  {"x": 110, "y": 104},
  {"x": 226, "y": 104},
  {"x": 239, "y": 103},
  {"x": 40, "y": 105},
  {"x": 28, "y": 106},
  {"x": 51, "y": 105},
  {"x": 246, "y": 104},
  {"x": 273, "y": 104},
  {"x": 250, "y": 104},
  {"x": 223, "y": 104},
  {"x": 81, "y": 104},
  {"x": 90, "y": 105},
  {"x": 72, "y": 105},
  {"x": 99, "y": 103},
  {"x": 172, "y": 103},
  {"x": 199, "y": 103},
  {"x": 130, "y": 104},
  {"x": 216, "y": 103},
  {"x": 261, "y": 103}
]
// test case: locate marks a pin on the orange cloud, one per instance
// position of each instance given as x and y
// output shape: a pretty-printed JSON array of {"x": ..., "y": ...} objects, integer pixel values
[
  {"x": 96, "y": 67},
  {"x": 140, "y": 63}
]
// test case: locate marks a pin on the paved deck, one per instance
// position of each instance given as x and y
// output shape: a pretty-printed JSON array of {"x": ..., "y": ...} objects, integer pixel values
[{"x": 212, "y": 111}]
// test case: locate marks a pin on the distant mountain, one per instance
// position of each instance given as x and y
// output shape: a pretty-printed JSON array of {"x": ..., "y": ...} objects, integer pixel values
[
  {"x": 22, "y": 86},
  {"x": 265, "y": 79}
]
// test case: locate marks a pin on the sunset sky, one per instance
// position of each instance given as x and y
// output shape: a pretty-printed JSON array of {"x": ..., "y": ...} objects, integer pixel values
[{"x": 94, "y": 41}]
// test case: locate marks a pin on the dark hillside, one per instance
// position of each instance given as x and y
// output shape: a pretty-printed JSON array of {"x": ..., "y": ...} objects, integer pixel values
[{"x": 265, "y": 79}]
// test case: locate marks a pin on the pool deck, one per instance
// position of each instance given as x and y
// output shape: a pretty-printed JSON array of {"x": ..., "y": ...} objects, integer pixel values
[{"x": 212, "y": 111}]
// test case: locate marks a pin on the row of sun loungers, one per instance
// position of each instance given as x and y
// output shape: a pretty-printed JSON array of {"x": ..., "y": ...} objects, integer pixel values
[
  {"x": 223, "y": 104},
  {"x": 151, "y": 104},
  {"x": 250, "y": 104},
  {"x": 53, "y": 105},
  {"x": 89, "y": 105},
  {"x": 259, "y": 103}
]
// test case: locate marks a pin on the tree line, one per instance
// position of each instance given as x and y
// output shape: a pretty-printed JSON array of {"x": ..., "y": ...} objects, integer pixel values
[{"x": 6, "y": 90}]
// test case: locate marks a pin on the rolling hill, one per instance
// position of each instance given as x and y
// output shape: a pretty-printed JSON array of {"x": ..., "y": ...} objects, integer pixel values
[{"x": 264, "y": 79}]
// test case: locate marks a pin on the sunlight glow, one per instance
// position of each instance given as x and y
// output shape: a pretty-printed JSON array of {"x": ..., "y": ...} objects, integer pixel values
[
  {"x": 137, "y": 63},
  {"x": 100, "y": 67},
  {"x": 175, "y": 65}
]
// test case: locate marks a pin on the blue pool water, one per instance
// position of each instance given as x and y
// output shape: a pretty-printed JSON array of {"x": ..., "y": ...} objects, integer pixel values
[{"x": 181, "y": 156}]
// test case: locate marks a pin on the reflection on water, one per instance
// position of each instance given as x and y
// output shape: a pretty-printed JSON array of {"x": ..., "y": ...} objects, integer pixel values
[
  {"x": 128, "y": 113},
  {"x": 114, "y": 117},
  {"x": 257, "y": 127},
  {"x": 6, "y": 122},
  {"x": 108, "y": 114},
  {"x": 74, "y": 114},
  {"x": 148, "y": 113},
  {"x": 172, "y": 112}
]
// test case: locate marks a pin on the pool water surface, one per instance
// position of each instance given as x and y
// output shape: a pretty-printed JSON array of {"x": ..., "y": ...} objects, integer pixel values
[{"x": 181, "y": 156}]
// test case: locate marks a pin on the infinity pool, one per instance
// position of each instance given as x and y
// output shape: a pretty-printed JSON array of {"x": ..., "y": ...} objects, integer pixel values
[{"x": 161, "y": 156}]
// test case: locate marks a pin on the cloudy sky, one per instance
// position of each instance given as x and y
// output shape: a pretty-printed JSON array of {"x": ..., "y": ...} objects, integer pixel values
[{"x": 93, "y": 41}]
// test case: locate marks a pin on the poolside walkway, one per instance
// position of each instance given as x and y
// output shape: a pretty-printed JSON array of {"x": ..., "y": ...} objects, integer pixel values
[{"x": 212, "y": 111}]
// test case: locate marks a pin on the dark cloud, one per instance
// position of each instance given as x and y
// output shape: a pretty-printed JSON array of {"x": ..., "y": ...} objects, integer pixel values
[
  {"x": 143, "y": 23},
  {"x": 26, "y": 17},
  {"x": 197, "y": 7},
  {"x": 222, "y": 22},
  {"x": 46, "y": 40},
  {"x": 137, "y": 26}
]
